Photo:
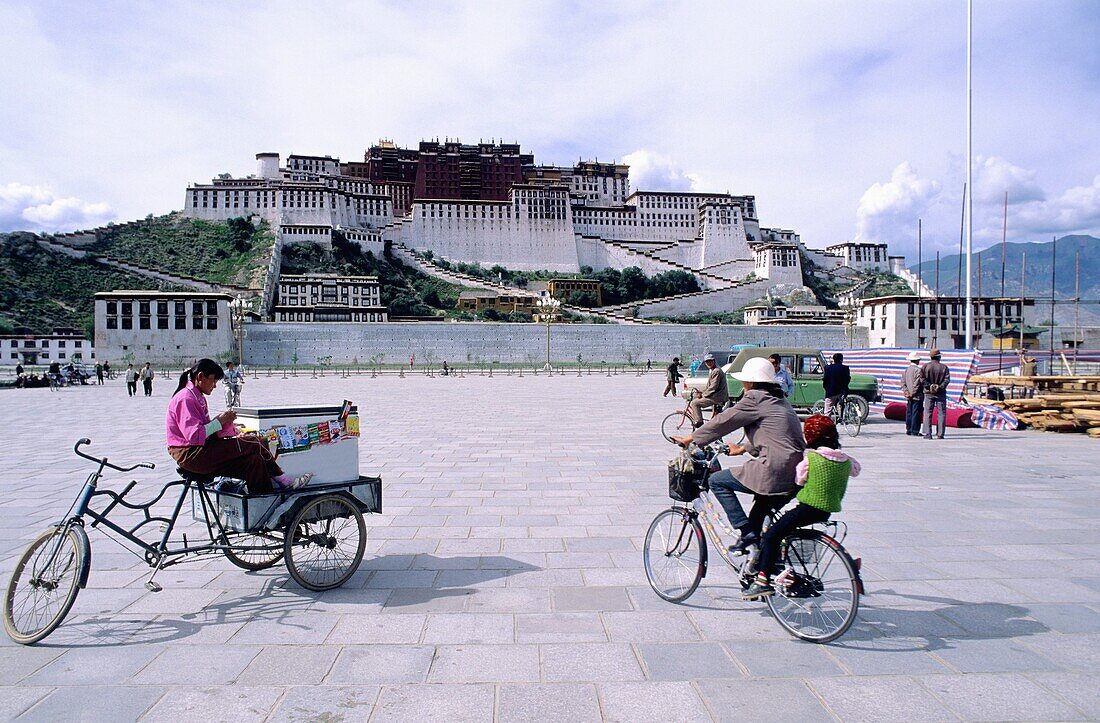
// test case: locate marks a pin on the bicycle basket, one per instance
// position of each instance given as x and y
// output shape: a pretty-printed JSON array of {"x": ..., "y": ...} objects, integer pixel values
[{"x": 684, "y": 475}]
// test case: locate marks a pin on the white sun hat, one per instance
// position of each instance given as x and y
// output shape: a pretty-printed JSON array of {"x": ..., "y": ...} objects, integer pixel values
[
  {"x": 914, "y": 356},
  {"x": 757, "y": 369}
]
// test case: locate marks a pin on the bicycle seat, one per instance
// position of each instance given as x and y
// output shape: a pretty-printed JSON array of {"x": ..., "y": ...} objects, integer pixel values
[{"x": 202, "y": 479}]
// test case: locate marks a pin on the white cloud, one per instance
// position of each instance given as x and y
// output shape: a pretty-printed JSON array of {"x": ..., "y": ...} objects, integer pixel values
[
  {"x": 37, "y": 208},
  {"x": 1076, "y": 210},
  {"x": 652, "y": 171},
  {"x": 994, "y": 176},
  {"x": 888, "y": 210}
]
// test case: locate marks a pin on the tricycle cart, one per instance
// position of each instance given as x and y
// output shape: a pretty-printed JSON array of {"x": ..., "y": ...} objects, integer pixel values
[{"x": 318, "y": 530}]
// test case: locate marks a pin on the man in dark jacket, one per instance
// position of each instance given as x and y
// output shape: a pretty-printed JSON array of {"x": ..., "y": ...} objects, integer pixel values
[
  {"x": 835, "y": 380},
  {"x": 936, "y": 377},
  {"x": 672, "y": 376},
  {"x": 715, "y": 393}
]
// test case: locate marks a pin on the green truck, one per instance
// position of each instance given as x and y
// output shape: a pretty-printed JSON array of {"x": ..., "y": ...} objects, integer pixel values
[{"x": 805, "y": 366}]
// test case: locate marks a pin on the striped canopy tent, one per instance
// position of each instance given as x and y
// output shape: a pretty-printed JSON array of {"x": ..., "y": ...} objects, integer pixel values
[{"x": 887, "y": 366}]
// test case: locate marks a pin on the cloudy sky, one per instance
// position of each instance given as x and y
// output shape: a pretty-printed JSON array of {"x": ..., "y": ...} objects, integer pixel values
[{"x": 844, "y": 118}]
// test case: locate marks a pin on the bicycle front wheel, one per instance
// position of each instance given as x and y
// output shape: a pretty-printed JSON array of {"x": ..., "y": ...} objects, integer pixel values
[
  {"x": 817, "y": 596},
  {"x": 677, "y": 424},
  {"x": 44, "y": 585},
  {"x": 853, "y": 420},
  {"x": 675, "y": 554}
]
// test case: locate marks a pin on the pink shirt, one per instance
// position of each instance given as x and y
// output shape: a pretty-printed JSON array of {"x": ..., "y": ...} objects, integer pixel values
[{"x": 187, "y": 418}]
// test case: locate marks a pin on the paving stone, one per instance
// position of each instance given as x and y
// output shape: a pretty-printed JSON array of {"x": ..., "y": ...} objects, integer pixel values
[
  {"x": 687, "y": 661},
  {"x": 645, "y": 702},
  {"x": 226, "y": 703},
  {"x": 574, "y": 599},
  {"x": 781, "y": 700},
  {"x": 635, "y": 627},
  {"x": 999, "y": 697},
  {"x": 94, "y": 666},
  {"x": 1067, "y": 618},
  {"x": 880, "y": 698},
  {"x": 520, "y": 703},
  {"x": 435, "y": 702},
  {"x": 993, "y": 656},
  {"x": 485, "y": 664},
  {"x": 1078, "y": 689},
  {"x": 93, "y": 703},
  {"x": 468, "y": 628},
  {"x": 583, "y": 662},
  {"x": 382, "y": 664},
  {"x": 196, "y": 665},
  {"x": 16, "y": 700},
  {"x": 560, "y": 628},
  {"x": 17, "y": 662},
  {"x": 788, "y": 659},
  {"x": 289, "y": 665},
  {"x": 302, "y": 704}
]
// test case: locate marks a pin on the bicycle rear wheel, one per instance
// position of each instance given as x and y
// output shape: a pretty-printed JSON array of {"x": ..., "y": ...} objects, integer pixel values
[
  {"x": 675, "y": 554},
  {"x": 676, "y": 424},
  {"x": 44, "y": 585},
  {"x": 819, "y": 599}
]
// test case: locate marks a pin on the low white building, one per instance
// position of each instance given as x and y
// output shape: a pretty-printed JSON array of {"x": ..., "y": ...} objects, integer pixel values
[
  {"x": 329, "y": 297},
  {"x": 165, "y": 328},
  {"x": 862, "y": 256},
  {"x": 61, "y": 345},
  {"x": 909, "y": 322},
  {"x": 766, "y": 315}
]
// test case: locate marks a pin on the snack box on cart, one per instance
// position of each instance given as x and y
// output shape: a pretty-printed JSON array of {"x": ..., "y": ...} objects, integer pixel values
[{"x": 329, "y": 461}]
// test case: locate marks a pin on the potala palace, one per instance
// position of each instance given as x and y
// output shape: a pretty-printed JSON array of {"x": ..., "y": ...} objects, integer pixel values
[{"x": 490, "y": 203}]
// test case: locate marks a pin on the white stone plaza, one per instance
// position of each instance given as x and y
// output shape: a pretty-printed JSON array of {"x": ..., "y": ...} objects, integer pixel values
[{"x": 504, "y": 580}]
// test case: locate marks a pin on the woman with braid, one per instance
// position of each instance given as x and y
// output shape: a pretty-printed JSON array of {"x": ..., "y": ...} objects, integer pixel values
[
  {"x": 214, "y": 446},
  {"x": 823, "y": 476}
]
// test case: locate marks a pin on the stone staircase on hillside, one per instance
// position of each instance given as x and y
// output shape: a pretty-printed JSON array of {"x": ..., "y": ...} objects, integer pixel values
[
  {"x": 633, "y": 305},
  {"x": 59, "y": 246},
  {"x": 424, "y": 266},
  {"x": 714, "y": 280}
]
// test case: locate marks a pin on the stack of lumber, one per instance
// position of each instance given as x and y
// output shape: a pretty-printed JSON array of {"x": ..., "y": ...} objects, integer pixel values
[{"x": 1059, "y": 404}]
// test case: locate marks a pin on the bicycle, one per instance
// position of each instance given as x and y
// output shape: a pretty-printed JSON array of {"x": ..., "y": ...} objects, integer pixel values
[
  {"x": 232, "y": 395},
  {"x": 848, "y": 413},
  {"x": 813, "y": 601},
  {"x": 678, "y": 424},
  {"x": 318, "y": 531}
]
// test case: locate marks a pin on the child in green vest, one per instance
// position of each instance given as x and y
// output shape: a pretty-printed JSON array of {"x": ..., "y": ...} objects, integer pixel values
[{"x": 823, "y": 475}]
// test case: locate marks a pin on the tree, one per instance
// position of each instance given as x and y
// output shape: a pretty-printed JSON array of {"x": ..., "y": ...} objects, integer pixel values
[
  {"x": 633, "y": 284},
  {"x": 586, "y": 299}
]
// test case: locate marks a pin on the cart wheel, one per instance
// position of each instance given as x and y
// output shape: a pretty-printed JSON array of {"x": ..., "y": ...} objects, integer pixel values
[
  {"x": 254, "y": 552},
  {"x": 324, "y": 542}
]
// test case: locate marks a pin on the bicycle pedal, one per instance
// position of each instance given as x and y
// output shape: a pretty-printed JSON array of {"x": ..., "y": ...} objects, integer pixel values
[{"x": 153, "y": 586}]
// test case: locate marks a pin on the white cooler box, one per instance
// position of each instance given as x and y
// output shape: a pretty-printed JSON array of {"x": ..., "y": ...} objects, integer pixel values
[{"x": 329, "y": 462}]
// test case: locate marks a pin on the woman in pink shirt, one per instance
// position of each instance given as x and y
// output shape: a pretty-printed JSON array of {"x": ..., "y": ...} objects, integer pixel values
[{"x": 214, "y": 446}]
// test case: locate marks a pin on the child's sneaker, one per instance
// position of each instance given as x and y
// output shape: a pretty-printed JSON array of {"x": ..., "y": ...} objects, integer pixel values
[{"x": 759, "y": 590}]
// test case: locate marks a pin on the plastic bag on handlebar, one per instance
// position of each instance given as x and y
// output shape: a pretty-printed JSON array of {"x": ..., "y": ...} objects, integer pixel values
[{"x": 684, "y": 474}]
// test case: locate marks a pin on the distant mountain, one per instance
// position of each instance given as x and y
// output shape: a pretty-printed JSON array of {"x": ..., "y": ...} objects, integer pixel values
[{"x": 1037, "y": 272}]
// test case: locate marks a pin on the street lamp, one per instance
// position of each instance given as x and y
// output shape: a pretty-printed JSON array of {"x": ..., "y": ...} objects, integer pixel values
[
  {"x": 549, "y": 310},
  {"x": 238, "y": 307}
]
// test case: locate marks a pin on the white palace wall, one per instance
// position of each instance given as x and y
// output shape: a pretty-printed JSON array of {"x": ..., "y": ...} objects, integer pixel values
[{"x": 484, "y": 342}]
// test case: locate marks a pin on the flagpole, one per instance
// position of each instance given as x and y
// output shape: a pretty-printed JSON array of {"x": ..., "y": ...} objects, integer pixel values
[
  {"x": 1004, "y": 237},
  {"x": 969, "y": 170}
]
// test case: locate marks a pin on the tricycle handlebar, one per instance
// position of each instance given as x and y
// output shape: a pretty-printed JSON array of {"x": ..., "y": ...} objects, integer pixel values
[{"x": 103, "y": 461}]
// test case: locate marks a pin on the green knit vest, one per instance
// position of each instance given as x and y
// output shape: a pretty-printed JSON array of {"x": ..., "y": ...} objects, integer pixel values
[{"x": 826, "y": 483}]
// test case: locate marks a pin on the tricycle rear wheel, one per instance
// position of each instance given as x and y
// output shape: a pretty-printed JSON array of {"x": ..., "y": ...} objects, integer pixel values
[{"x": 325, "y": 542}]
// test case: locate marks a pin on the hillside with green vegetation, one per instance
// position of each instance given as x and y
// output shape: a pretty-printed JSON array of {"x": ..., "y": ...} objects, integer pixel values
[
  {"x": 616, "y": 286},
  {"x": 41, "y": 290},
  {"x": 233, "y": 253},
  {"x": 405, "y": 291}
]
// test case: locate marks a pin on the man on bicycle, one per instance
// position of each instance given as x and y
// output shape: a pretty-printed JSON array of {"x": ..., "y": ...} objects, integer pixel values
[
  {"x": 233, "y": 380},
  {"x": 714, "y": 394},
  {"x": 836, "y": 379}
]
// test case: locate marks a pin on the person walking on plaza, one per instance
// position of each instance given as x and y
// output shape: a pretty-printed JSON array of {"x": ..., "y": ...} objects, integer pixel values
[
  {"x": 912, "y": 388},
  {"x": 936, "y": 377},
  {"x": 107, "y": 369},
  {"x": 131, "y": 380},
  {"x": 836, "y": 379},
  {"x": 714, "y": 394},
  {"x": 782, "y": 376},
  {"x": 146, "y": 375},
  {"x": 672, "y": 376},
  {"x": 98, "y": 373}
]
